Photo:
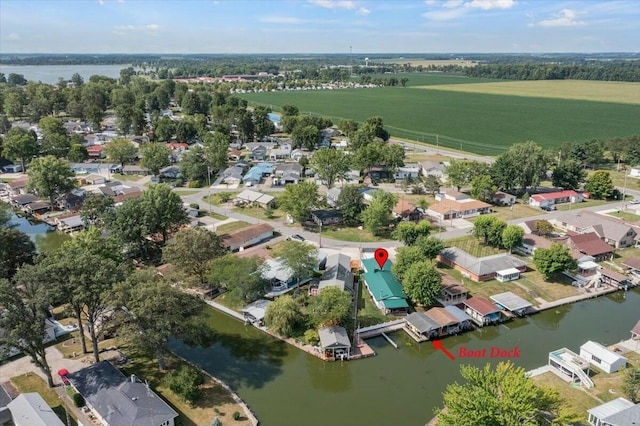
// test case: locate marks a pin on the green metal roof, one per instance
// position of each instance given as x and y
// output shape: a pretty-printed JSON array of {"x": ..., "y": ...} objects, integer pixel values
[{"x": 384, "y": 286}]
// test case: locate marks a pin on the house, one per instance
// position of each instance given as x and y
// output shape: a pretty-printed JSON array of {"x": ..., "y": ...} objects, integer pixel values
[
  {"x": 506, "y": 275},
  {"x": 591, "y": 245},
  {"x": 30, "y": 409},
  {"x": 70, "y": 223},
  {"x": 117, "y": 400},
  {"x": 634, "y": 171},
  {"x": 245, "y": 237},
  {"x": 135, "y": 170},
  {"x": 288, "y": 173},
  {"x": 280, "y": 275},
  {"x": 420, "y": 326},
  {"x": 170, "y": 172},
  {"x": 568, "y": 363},
  {"x": 503, "y": 199},
  {"x": 532, "y": 242},
  {"x": 282, "y": 152},
  {"x": 452, "y": 293},
  {"x": 231, "y": 175},
  {"x": 255, "y": 174},
  {"x": 614, "y": 232},
  {"x": 18, "y": 186},
  {"x": 332, "y": 196},
  {"x": 601, "y": 357},
  {"x": 384, "y": 287},
  {"x": 464, "y": 208},
  {"x": 512, "y": 303},
  {"x": 39, "y": 207},
  {"x": 618, "y": 412},
  {"x": 482, "y": 311},
  {"x": 93, "y": 179},
  {"x": 258, "y": 153},
  {"x": 408, "y": 171},
  {"x": 406, "y": 211},
  {"x": 72, "y": 200},
  {"x": 433, "y": 168},
  {"x": 452, "y": 196},
  {"x": 254, "y": 197},
  {"x": 334, "y": 342},
  {"x": 367, "y": 192},
  {"x": 552, "y": 198},
  {"x": 338, "y": 273},
  {"x": 326, "y": 217},
  {"x": 234, "y": 154},
  {"x": 105, "y": 169},
  {"x": 125, "y": 195},
  {"x": 96, "y": 151},
  {"x": 479, "y": 268},
  {"x": 297, "y": 154},
  {"x": 256, "y": 311},
  {"x": 12, "y": 168},
  {"x": 447, "y": 322},
  {"x": 20, "y": 201}
]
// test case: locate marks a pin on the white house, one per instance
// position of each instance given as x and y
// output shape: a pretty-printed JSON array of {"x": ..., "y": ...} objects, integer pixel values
[
  {"x": 552, "y": 198},
  {"x": 601, "y": 357},
  {"x": 30, "y": 409},
  {"x": 635, "y": 172},
  {"x": 407, "y": 171}
]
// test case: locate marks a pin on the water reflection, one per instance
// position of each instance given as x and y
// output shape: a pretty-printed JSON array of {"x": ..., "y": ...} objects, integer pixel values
[{"x": 328, "y": 376}]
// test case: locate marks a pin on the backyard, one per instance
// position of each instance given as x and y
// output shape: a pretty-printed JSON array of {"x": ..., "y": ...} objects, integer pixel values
[
  {"x": 473, "y": 246},
  {"x": 31, "y": 382}
]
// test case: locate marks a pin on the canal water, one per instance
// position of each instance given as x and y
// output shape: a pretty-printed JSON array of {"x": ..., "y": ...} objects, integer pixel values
[
  {"x": 45, "y": 237},
  {"x": 285, "y": 386}
]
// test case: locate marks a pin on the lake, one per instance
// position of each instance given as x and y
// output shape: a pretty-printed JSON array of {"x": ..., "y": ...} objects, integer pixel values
[
  {"x": 45, "y": 237},
  {"x": 285, "y": 386},
  {"x": 50, "y": 73}
]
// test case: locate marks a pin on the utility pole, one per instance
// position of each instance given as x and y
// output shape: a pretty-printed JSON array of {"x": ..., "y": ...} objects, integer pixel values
[
  {"x": 624, "y": 189},
  {"x": 209, "y": 185}
]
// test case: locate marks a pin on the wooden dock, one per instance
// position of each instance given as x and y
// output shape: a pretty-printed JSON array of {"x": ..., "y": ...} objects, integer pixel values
[
  {"x": 389, "y": 340},
  {"x": 378, "y": 329},
  {"x": 572, "y": 299}
]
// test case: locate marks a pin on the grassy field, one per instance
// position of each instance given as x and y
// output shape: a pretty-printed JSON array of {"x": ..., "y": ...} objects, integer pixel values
[
  {"x": 601, "y": 91},
  {"x": 576, "y": 399},
  {"x": 351, "y": 234},
  {"x": 474, "y": 122},
  {"x": 473, "y": 246},
  {"x": 214, "y": 199},
  {"x": 585, "y": 203},
  {"x": 519, "y": 211},
  {"x": 231, "y": 226},
  {"x": 34, "y": 383},
  {"x": 133, "y": 178},
  {"x": 629, "y": 217},
  {"x": 427, "y": 62}
]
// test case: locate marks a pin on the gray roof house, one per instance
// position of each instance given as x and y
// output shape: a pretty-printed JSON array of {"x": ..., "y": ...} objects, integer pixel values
[
  {"x": 479, "y": 268},
  {"x": 619, "y": 412},
  {"x": 120, "y": 401},
  {"x": 30, "y": 409},
  {"x": 332, "y": 196},
  {"x": 335, "y": 342},
  {"x": 614, "y": 232},
  {"x": 432, "y": 168},
  {"x": 338, "y": 273}
]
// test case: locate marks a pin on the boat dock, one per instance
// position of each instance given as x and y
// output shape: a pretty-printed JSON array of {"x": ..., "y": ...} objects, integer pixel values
[
  {"x": 378, "y": 329},
  {"x": 589, "y": 294},
  {"x": 389, "y": 340}
]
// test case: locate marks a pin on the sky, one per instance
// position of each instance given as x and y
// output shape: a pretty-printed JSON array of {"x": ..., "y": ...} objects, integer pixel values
[{"x": 318, "y": 26}]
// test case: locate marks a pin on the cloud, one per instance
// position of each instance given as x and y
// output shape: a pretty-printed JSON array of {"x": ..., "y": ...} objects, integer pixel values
[
  {"x": 450, "y": 4},
  {"x": 453, "y": 9},
  {"x": 564, "y": 18},
  {"x": 13, "y": 37},
  {"x": 363, "y": 11},
  {"x": 100, "y": 2},
  {"x": 334, "y": 4},
  {"x": 127, "y": 29},
  {"x": 444, "y": 15},
  {"x": 274, "y": 19},
  {"x": 490, "y": 4}
]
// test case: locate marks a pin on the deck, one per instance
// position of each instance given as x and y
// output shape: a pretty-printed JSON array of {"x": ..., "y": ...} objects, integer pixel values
[{"x": 378, "y": 329}]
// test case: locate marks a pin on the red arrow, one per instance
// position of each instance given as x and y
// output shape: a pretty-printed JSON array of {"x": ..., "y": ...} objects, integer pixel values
[{"x": 438, "y": 345}]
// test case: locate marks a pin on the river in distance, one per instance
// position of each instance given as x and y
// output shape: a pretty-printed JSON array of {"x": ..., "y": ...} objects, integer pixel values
[
  {"x": 285, "y": 386},
  {"x": 45, "y": 237},
  {"x": 51, "y": 73}
]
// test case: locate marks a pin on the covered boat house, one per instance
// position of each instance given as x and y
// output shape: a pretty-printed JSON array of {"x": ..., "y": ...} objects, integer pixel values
[
  {"x": 482, "y": 311},
  {"x": 513, "y": 303},
  {"x": 334, "y": 342}
]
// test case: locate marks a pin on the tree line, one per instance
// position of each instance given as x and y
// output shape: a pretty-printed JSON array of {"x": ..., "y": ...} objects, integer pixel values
[{"x": 604, "y": 71}]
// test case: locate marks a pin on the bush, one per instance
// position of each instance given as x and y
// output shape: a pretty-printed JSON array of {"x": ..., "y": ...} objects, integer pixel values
[
  {"x": 195, "y": 184},
  {"x": 195, "y": 206},
  {"x": 216, "y": 422},
  {"x": 311, "y": 337},
  {"x": 186, "y": 383},
  {"x": 224, "y": 197},
  {"x": 236, "y": 416},
  {"x": 179, "y": 182},
  {"x": 77, "y": 399}
]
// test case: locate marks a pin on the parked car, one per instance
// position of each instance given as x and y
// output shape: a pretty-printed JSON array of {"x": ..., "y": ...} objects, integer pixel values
[{"x": 296, "y": 237}]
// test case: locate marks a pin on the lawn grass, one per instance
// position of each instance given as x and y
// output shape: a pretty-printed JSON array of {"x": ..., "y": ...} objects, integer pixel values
[
  {"x": 574, "y": 398},
  {"x": 629, "y": 217},
  {"x": 608, "y": 386},
  {"x": 198, "y": 414},
  {"x": 519, "y": 211},
  {"x": 368, "y": 312},
  {"x": 465, "y": 121},
  {"x": 132, "y": 178},
  {"x": 473, "y": 246},
  {"x": 185, "y": 192},
  {"x": 31, "y": 382},
  {"x": 214, "y": 199},
  {"x": 231, "y": 226},
  {"x": 549, "y": 291},
  {"x": 623, "y": 254},
  {"x": 216, "y": 215},
  {"x": 585, "y": 203},
  {"x": 72, "y": 345},
  {"x": 351, "y": 234},
  {"x": 259, "y": 212}
]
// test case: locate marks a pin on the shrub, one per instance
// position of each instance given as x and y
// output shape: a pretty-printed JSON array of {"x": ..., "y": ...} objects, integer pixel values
[
  {"x": 186, "y": 383},
  {"x": 311, "y": 337},
  {"x": 216, "y": 422},
  {"x": 268, "y": 213},
  {"x": 236, "y": 416},
  {"x": 195, "y": 184},
  {"x": 77, "y": 399},
  {"x": 179, "y": 182},
  {"x": 195, "y": 206},
  {"x": 224, "y": 197}
]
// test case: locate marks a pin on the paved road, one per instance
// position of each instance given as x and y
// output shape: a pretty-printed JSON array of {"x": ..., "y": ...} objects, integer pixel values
[{"x": 416, "y": 147}]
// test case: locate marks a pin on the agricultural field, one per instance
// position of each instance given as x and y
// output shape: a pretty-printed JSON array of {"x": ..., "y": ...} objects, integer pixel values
[
  {"x": 427, "y": 62},
  {"x": 601, "y": 91},
  {"x": 475, "y": 122}
]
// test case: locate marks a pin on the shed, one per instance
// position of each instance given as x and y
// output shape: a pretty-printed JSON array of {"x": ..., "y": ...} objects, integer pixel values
[
  {"x": 512, "y": 303},
  {"x": 601, "y": 357},
  {"x": 509, "y": 274},
  {"x": 335, "y": 342},
  {"x": 447, "y": 323}
]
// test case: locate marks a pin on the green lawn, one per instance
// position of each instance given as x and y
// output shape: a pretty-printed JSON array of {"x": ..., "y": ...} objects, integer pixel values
[
  {"x": 473, "y": 246},
  {"x": 574, "y": 398},
  {"x": 185, "y": 192},
  {"x": 586, "y": 203},
  {"x": 215, "y": 198},
  {"x": 465, "y": 121},
  {"x": 118, "y": 176},
  {"x": 215, "y": 215},
  {"x": 232, "y": 226},
  {"x": 368, "y": 312},
  {"x": 549, "y": 291},
  {"x": 34, "y": 383},
  {"x": 351, "y": 234},
  {"x": 519, "y": 211},
  {"x": 629, "y": 217}
]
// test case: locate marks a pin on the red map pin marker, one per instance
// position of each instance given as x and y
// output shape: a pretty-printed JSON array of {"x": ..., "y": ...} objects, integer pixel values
[{"x": 381, "y": 256}]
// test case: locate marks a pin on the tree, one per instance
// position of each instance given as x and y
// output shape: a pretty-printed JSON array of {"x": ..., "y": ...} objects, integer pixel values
[
  {"x": 430, "y": 246},
  {"x": 522, "y": 166},
  {"x": 350, "y": 204},
  {"x": 408, "y": 232},
  {"x": 305, "y": 136},
  {"x": 600, "y": 185},
  {"x": 504, "y": 396},
  {"x": 128, "y": 224},
  {"x": 458, "y": 173},
  {"x": 376, "y": 126},
  {"x": 77, "y": 80},
  {"x": 262, "y": 123},
  {"x": 19, "y": 144},
  {"x": 289, "y": 110},
  {"x": 5, "y": 124},
  {"x": 421, "y": 282},
  {"x": 393, "y": 157},
  {"x": 155, "y": 312},
  {"x": 164, "y": 129},
  {"x": 330, "y": 165},
  {"x": 56, "y": 145},
  {"x": 50, "y": 177},
  {"x": 14, "y": 102},
  {"x": 16, "y": 250},
  {"x": 298, "y": 200},
  {"x": 348, "y": 127},
  {"x": 489, "y": 229},
  {"x": 52, "y": 126},
  {"x": 569, "y": 174},
  {"x": 186, "y": 130},
  {"x": 194, "y": 165},
  {"x": 482, "y": 188},
  {"x": 369, "y": 156},
  {"x": 556, "y": 258},
  {"x": 405, "y": 257},
  {"x": 377, "y": 217},
  {"x": 121, "y": 150},
  {"x": 24, "y": 313},
  {"x": 192, "y": 250},
  {"x": 331, "y": 306},
  {"x": 240, "y": 276},
  {"x": 163, "y": 209},
  {"x": 77, "y": 153},
  {"x": 186, "y": 383},
  {"x": 631, "y": 384},
  {"x": 154, "y": 157},
  {"x": 543, "y": 227},
  {"x": 432, "y": 184},
  {"x": 301, "y": 258},
  {"x": 216, "y": 148},
  {"x": 512, "y": 237},
  {"x": 283, "y": 316}
]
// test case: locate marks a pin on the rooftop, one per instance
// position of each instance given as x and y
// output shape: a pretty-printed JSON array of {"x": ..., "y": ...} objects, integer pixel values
[
  {"x": 442, "y": 317},
  {"x": 481, "y": 305},
  {"x": 632, "y": 262},
  {"x": 510, "y": 301},
  {"x": 610, "y": 408},
  {"x": 31, "y": 409},
  {"x": 333, "y": 336},
  {"x": 482, "y": 265},
  {"x": 422, "y": 322},
  {"x": 605, "y": 354},
  {"x": 384, "y": 286},
  {"x": 590, "y": 243},
  {"x": 246, "y": 234}
]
